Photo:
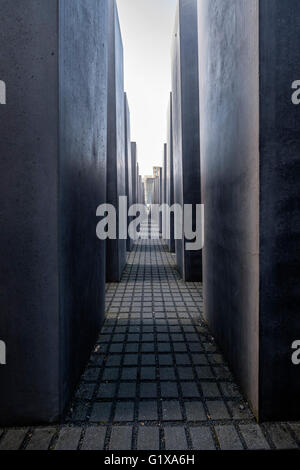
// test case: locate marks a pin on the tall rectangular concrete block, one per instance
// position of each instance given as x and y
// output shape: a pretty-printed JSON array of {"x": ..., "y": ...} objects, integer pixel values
[
  {"x": 164, "y": 186},
  {"x": 134, "y": 172},
  {"x": 128, "y": 167},
  {"x": 160, "y": 198},
  {"x": 170, "y": 174},
  {"x": 250, "y": 161},
  {"x": 52, "y": 172},
  {"x": 116, "y": 162},
  {"x": 186, "y": 131}
]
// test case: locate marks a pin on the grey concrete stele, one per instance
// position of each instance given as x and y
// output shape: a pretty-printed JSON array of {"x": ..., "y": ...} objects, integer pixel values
[
  {"x": 186, "y": 130},
  {"x": 128, "y": 167},
  {"x": 134, "y": 172},
  {"x": 164, "y": 184},
  {"x": 170, "y": 175},
  {"x": 52, "y": 170},
  {"x": 116, "y": 171},
  {"x": 250, "y": 150}
]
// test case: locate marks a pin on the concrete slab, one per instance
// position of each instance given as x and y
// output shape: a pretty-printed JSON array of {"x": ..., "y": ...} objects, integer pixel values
[
  {"x": 53, "y": 165},
  {"x": 116, "y": 171},
  {"x": 128, "y": 166},
  {"x": 250, "y": 153},
  {"x": 170, "y": 174},
  {"x": 186, "y": 130}
]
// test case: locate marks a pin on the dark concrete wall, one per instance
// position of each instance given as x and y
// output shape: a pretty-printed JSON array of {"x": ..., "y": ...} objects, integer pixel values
[
  {"x": 170, "y": 174},
  {"x": 279, "y": 243},
  {"x": 230, "y": 169},
  {"x": 250, "y": 154},
  {"x": 82, "y": 182},
  {"x": 52, "y": 170},
  {"x": 128, "y": 166},
  {"x": 186, "y": 130},
  {"x": 116, "y": 249}
]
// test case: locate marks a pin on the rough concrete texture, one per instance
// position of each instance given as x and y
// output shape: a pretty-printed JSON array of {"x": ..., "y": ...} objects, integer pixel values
[
  {"x": 128, "y": 166},
  {"x": 170, "y": 174},
  {"x": 186, "y": 130},
  {"x": 249, "y": 150},
  {"x": 52, "y": 167},
  {"x": 115, "y": 249}
]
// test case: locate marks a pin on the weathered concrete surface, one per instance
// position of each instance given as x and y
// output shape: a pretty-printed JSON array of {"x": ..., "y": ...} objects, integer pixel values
[
  {"x": 250, "y": 153},
  {"x": 170, "y": 175},
  {"x": 186, "y": 130},
  {"x": 52, "y": 170},
  {"x": 128, "y": 166},
  {"x": 116, "y": 249}
]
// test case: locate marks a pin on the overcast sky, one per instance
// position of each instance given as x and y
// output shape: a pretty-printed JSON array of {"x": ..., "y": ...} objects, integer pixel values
[{"x": 147, "y": 29}]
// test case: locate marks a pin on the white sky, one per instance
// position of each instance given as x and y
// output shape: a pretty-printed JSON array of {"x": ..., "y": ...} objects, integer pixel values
[{"x": 147, "y": 29}]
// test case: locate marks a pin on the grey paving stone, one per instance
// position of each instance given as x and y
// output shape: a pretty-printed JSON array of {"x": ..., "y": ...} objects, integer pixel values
[
  {"x": 148, "y": 359},
  {"x": 169, "y": 389},
  {"x": 148, "y": 438},
  {"x": 180, "y": 347},
  {"x": 147, "y": 348},
  {"x": 131, "y": 348},
  {"x": 41, "y": 439},
  {"x": 189, "y": 390},
  {"x": 182, "y": 359},
  {"x": 116, "y": 348},
  {"x": 101, "y": 412},
  {"x": 217, "y": 410},
  {"x": 281, "y": 436},
  {"x": 148, "y": 390},
  {"x": 111, "y": 373},
  {"x": 228, "y": 438},
  {"x": 107, "y": 390},
  {"x": 254, "y": 438},
  {"x": 124, "y": 411},
  {"x": 199, "y": 359},
  {"x": 127, "y": 390},
  {"x": 175, "y": 438},
  {"x": 129, "y": 373},
  {"x": 185, "y": 373},
  {"x": 171, "y": 411},
  {"x": 163, "y": 347},
  {"x": 204, "y": 372},
  {"x": 13, "y": 439},
  {"x": 148, "y": 373},
  {"x": 68, "y": 439},
  {"x": 94, "y": 438},
  {"x": 195, "y": 411},
  {"x": 210, "y": 390},
  {"x": 165, "y": 359},
  {"x": 113, "y": 361},
  {"x": 202, "y": 438},
  {"x": 121, "y": 438},
  {"x": 148, "y": 411},
  {"x": 167, "y": 373}
]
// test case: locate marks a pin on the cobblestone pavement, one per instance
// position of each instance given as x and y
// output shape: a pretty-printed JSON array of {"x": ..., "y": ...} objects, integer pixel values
[{"x": 156, "y": 380}]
